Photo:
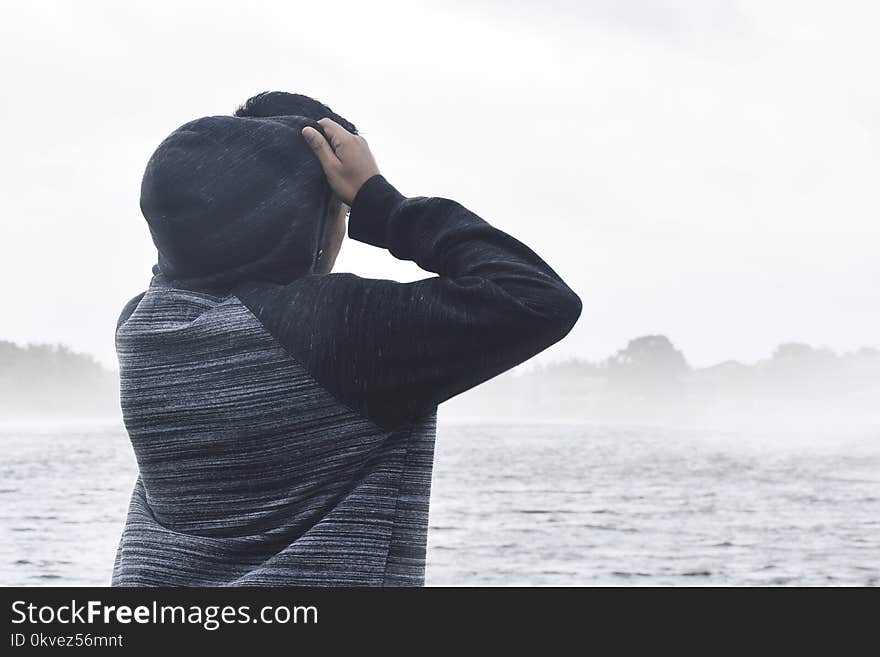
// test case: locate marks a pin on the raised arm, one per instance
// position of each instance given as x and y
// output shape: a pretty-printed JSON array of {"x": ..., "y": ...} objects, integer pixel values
[{"x": 395, "y": 350}]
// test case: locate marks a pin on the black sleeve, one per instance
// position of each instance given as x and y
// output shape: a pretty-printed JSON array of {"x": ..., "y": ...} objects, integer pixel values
[{"x": 393, "y": 351}]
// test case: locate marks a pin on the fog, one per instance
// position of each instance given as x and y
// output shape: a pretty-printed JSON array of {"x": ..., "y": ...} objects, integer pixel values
[
  {"x": 702, "y": 170},
  {"x": 703, "y": 173},
  {"x": 797, "y": 389}
]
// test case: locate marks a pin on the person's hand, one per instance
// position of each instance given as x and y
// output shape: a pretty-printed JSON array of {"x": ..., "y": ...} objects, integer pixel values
[{"x": 347, "y": 160}]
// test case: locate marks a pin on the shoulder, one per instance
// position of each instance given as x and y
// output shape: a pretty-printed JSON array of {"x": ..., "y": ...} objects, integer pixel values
[
  {"x": 128, "y": 309},
  {"x": 312, "y": 309},
  {"x": 269, "y": 298}
]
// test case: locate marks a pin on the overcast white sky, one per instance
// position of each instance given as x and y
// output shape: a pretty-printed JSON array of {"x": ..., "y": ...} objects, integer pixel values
[{"x": 703, "y": 169}]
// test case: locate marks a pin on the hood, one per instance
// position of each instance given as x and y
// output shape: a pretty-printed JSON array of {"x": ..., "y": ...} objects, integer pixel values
[{"x": 229, "y": 199}]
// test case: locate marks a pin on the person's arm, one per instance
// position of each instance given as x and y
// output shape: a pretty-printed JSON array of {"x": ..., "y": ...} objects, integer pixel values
[{"x": 396, "y": 350}]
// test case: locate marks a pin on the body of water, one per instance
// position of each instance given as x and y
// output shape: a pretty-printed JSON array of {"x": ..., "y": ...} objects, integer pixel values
[{"x": 530, "y": 504}]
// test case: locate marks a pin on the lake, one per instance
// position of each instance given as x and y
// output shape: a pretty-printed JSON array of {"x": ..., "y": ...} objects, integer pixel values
[{"x": 521, "y": 504}]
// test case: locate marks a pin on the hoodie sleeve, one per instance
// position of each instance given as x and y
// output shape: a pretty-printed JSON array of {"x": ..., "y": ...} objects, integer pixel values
[{"x": 394, "y": 351}]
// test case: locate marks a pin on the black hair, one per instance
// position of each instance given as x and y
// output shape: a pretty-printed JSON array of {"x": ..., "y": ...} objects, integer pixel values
[{"x": 281, "y": 103}]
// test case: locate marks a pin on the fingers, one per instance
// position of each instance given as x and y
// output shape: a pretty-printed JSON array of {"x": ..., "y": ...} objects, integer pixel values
[
  {"x": 336, "y": 132},
  {"x": 321, "y": 148},
  {"x": 346, "y": 158}
]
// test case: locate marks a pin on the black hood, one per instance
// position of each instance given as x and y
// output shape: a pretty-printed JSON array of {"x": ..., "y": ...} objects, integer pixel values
[{"x": 231, "y": 198}]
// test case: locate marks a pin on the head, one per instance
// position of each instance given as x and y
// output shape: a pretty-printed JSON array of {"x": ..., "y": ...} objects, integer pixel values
[
  {"x": 233, "y": 198},
  {"x": 280, "y": 103}
]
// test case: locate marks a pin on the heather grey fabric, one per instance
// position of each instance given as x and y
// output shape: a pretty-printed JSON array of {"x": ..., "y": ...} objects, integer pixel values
[
  {"x": 284, "y": 421},
  {"x": 251, "y": 473}
]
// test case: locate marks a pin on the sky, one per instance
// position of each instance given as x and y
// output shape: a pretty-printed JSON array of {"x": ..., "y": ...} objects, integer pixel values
[{"x": 707, "y": 170}]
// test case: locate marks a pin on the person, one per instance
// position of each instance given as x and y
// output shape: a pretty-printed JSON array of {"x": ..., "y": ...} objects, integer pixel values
[{"x": 283, "y": 416}]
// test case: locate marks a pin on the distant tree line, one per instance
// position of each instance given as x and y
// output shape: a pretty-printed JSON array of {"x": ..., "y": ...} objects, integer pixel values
[
  {"x": 647, "y": 379},
  {"x": 650, "y": 378},
  {"x": 41, "y": 380}
]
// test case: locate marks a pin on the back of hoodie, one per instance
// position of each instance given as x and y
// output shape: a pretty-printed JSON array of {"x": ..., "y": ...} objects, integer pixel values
[{"x": 284, "y": 421}]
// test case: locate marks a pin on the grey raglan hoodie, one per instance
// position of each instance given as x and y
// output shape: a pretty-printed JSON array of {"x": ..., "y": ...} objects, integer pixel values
[{"x": 284, "y": 421}]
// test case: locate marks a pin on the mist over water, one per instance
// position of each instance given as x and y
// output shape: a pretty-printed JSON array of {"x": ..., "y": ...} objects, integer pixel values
[
  {"x": 638, "y": 469},
  {"x": 798, "y": 391},
  {"x": 703, "y": 169}
]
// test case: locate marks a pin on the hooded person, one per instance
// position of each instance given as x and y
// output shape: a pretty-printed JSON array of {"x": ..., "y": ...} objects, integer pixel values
[{"x": 283, "y": 417}]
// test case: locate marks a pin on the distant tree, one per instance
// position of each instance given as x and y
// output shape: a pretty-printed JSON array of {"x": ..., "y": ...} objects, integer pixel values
[
  {"x": 796, "y": 359},
  {"x": 649, "y": 366},
  {"x": 799, "y": 351},
  {"x": 43, "y": 380},
  {"x": 868, "y": 353},
  {"x": 863, "y": 363},
  {"x": 650, "y": 353}
]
